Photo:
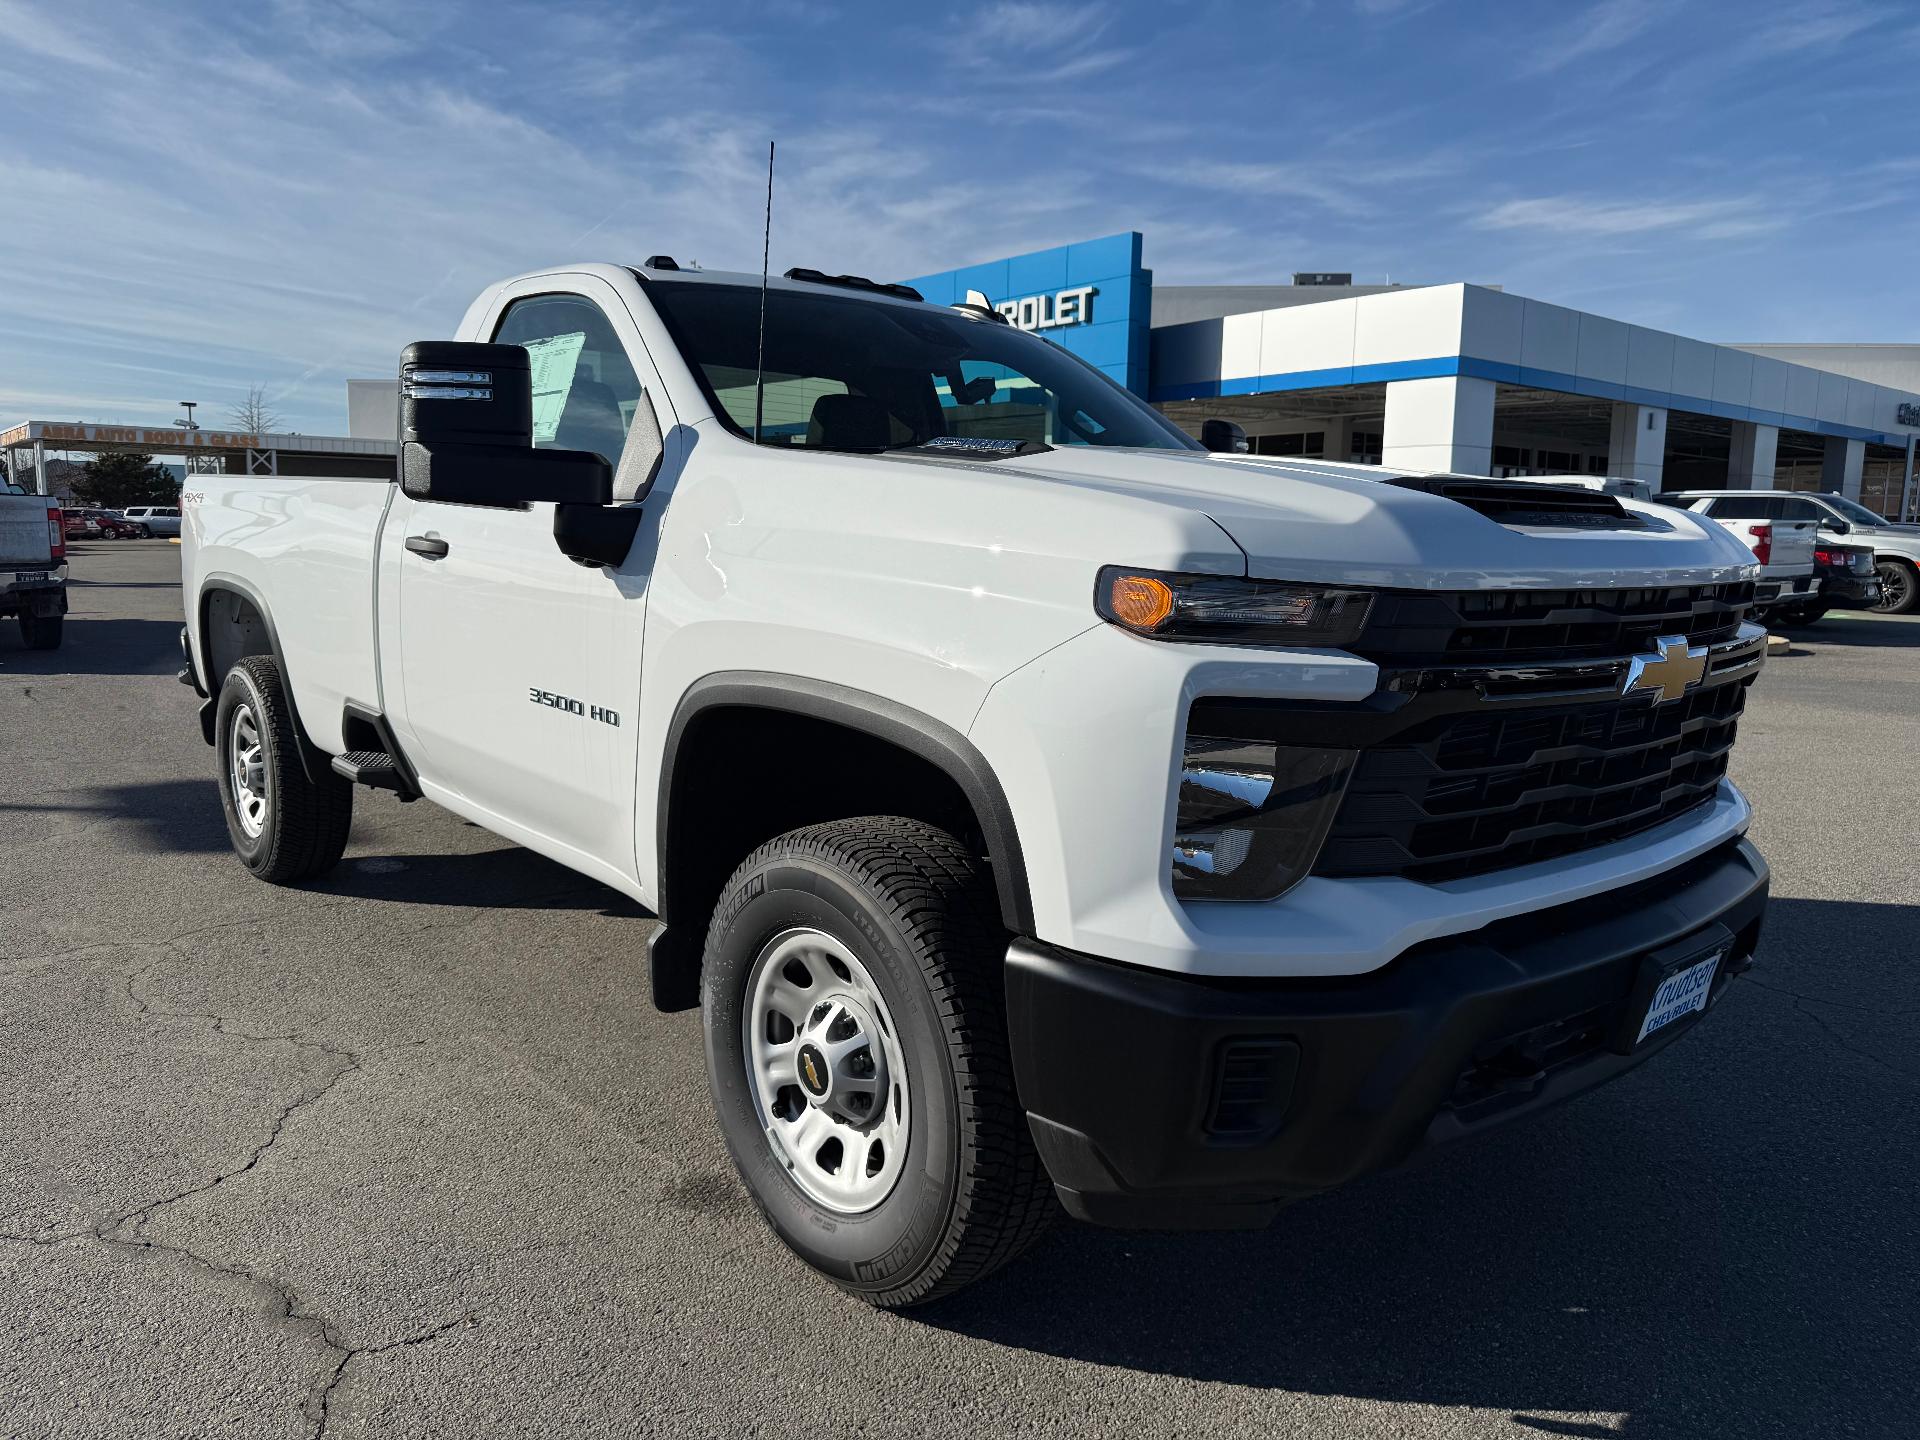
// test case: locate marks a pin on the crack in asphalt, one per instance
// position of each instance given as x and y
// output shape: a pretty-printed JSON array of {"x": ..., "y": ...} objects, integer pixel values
[
  {"x": 129, "y": 1230},
  {"x": 323, "y": 1401},
  {"x": 1824, "y": 1000}
]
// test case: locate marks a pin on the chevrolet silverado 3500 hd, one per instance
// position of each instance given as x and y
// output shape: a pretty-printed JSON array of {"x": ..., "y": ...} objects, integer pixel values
[{"x": 1042, "y": 810}]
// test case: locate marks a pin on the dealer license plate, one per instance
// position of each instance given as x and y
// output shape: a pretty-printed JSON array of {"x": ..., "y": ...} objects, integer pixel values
[
  {"x": 1680, "y": 994},
  {"x": 29, "y": 577}
]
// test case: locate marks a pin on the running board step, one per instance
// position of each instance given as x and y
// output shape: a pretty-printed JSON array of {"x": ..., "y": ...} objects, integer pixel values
[{"x": 372, "y": 768}]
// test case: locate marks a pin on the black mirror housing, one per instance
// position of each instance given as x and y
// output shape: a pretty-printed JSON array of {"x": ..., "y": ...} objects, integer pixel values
[
  {"x": 466, "y": 394},
  {"x": 504, "y": 476},
  {"x": 466, "y": 432},
  {"x": 1223, "y": 437}
]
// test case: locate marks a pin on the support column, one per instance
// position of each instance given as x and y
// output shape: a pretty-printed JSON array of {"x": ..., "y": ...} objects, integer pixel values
[
  {"x": 1752, "y": 456},
  {"x": 40, "y": 467},
  {"x": 1339, "y": 437},
  {"x": 1637, "y": 443},
  {"x": 1909, "y": 502},
  {"x": 1443, "y": 423},
  {"x": 1840, "y": 467}
]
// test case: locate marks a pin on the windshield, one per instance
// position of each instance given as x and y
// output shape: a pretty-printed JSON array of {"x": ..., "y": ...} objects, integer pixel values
[
  {"x": 1854, "y": 511},
  {"x": 848, "y": 373}
]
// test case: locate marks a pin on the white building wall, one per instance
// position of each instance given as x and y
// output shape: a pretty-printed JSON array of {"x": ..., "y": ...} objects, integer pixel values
[{"x": 1444, "y": 423}]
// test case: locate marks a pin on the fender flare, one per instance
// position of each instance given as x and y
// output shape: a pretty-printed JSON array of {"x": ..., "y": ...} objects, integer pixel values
[
  {"x": 939, "y": 744},
  {"x": 312, "y": 759}
]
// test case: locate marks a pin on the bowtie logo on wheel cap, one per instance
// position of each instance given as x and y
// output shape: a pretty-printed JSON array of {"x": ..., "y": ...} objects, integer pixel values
[
  {"x": 813, "y": 1070},
  {"x": 1673, "y": 669}
]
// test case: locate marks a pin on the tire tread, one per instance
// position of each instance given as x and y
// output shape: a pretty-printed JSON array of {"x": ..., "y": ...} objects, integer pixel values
[
  {"x": 938, "y": 895},
  {"x": 309, "y": 823}
]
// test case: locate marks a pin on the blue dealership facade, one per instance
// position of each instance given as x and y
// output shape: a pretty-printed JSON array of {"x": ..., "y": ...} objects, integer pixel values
[{"x": 1468, "y": 378}]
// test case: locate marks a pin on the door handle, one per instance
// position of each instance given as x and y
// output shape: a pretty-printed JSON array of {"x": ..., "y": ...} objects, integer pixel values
[{"x": 426, "y": 545}]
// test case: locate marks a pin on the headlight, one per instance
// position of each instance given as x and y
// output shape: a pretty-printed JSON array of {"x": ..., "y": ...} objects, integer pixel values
[
  {"x": 1228, "y": 609},
  {"x": 1252, "y": 815}
]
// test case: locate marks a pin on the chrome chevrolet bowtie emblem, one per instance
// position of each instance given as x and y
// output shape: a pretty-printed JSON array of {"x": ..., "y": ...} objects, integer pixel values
[{"x": 1673, "y": 669}]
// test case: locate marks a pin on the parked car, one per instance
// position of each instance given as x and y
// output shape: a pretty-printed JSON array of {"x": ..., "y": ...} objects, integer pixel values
[
  {"x": 157, "y": 519},
  {"x": 1042, "y": 810},
  {"x": 104, "y": 524},
  {"x": 1782, "y": 543},
  {"x": 33, "y": 567},
  {"x": 1896, "y": 548},
  {"x": 1848, "y": 581}
]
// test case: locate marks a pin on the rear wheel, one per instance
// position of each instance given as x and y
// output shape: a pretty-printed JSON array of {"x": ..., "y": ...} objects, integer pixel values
[
  {"x": 42, "y": 632},
  {"x": 1899, "y": 586},
  {"x": 857, "y": 1048},
  {"x": 284, "y": 826}
]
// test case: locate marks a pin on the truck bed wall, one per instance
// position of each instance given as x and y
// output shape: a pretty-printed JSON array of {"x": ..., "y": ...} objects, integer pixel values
[
  {"x": 305, "y": 546},
  {"x": 24, "y": 537}
]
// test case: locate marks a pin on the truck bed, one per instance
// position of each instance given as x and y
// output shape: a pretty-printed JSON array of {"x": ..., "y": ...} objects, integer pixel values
[
  {"x": 25, "y": 541},
  {"x": 304, "y": 545}
]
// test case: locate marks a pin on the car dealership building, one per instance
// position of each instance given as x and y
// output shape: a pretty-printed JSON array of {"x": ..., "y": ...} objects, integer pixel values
[{"x": 1470, "y": 378}]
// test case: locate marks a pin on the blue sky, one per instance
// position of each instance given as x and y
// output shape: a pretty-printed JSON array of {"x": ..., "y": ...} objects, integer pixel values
[{"x": 205, "y": 197}]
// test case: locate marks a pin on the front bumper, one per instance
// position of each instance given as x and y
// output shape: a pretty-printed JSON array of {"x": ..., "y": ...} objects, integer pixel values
[{"x": 1172, "y": 1101}]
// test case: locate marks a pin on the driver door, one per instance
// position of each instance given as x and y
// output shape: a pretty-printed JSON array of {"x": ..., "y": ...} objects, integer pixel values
[{"x": 504, "y": 701}]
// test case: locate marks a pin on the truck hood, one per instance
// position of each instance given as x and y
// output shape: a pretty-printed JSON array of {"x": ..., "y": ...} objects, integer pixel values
[{"x": 1298, "y": 520}]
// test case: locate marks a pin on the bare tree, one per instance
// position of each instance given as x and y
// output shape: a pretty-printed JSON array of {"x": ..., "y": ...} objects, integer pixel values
[{"x": 253, "y": 414}]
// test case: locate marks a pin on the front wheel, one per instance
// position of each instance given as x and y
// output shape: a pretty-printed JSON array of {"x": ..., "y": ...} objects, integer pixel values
[
  {"x": 284, "y": 826},
  {"x": 857, "y": 1049},
  {"x": 1899, "y": 587}
]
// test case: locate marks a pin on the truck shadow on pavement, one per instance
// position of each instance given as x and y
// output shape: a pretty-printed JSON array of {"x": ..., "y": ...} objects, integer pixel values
[
  {"x": 185, "y": 817},
  {"x": 1880, "y": 632},
  {"x": 99, "y": 647},
  {"x": 1720, "y": 1244}
]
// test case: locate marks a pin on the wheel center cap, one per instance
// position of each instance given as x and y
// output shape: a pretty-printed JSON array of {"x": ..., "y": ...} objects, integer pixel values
[{"x": 815, "y": 1074}]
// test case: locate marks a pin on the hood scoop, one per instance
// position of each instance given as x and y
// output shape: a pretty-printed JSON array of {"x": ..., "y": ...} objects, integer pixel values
[{"x": 1529, "y": 506}]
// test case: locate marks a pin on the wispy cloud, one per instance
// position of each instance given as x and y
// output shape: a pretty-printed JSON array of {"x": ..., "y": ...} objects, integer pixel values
[
  {"x": 1603, "y": 27},
  {"x": 1034, "y": 22},
  {"x": 1575, "y": 216},
  {"x": 1812, "y": 28},
  {"x": 1035, "y": 43}
]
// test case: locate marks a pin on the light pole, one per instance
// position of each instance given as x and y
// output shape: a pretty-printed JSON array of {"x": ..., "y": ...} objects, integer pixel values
[{"x": 189, "y": 423}]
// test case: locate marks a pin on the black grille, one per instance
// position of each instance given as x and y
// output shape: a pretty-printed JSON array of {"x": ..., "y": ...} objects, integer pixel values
[
  {"x": 1468, "y": 792},
  {"x": 1507, "y": 626}
]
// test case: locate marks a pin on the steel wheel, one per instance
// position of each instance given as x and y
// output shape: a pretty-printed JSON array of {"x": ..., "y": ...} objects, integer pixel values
[
  {"x": 825, "y": 1068},
  {"x": 247, "y": 769},
  {"x": 1896, "y": 588}
]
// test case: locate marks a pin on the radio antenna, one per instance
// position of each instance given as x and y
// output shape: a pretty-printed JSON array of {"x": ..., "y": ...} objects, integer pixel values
[{"x": 760, "y": 360}]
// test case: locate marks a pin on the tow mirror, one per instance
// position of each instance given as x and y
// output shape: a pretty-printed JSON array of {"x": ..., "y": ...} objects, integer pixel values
[
  {"x": 1223, "y": 437},
  {"x": 466, "y": 432}
]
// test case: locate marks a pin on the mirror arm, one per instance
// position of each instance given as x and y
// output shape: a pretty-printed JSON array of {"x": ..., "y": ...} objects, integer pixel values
[{"x": 596, "y": 535}]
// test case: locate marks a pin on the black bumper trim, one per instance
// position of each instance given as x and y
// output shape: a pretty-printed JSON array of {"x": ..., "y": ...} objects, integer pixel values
[{"x": 1121, "y": 1069}]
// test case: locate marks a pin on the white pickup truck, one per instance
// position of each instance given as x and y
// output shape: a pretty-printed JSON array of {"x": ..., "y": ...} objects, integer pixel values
[
  {"x": 1783, "y": 547},
  {"x": 33, "y": 566},
  {"x": 1042, "y": 810}
]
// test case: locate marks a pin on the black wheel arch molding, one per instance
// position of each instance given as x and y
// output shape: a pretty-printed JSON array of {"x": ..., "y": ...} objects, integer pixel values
[
  {"x": 673, "y": 953},
  {"x": 313, "y": 760}
]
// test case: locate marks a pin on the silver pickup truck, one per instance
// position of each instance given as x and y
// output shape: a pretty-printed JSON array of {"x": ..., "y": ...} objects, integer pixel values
[{"x": 33, "y": 566}]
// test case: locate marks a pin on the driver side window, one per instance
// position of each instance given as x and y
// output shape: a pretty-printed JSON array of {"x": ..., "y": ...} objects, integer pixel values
[{"x": 585, "y": 391}]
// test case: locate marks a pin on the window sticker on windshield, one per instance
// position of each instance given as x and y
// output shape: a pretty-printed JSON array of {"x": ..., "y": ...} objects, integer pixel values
[{"x": 553, "y": 361}]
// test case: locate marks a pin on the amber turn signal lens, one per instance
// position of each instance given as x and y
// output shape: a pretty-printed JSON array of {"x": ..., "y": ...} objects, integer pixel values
[{"x": 1139, "y": 601}]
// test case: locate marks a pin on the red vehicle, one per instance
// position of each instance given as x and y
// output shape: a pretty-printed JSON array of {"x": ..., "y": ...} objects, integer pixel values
[{"x": 95, "y": 524}]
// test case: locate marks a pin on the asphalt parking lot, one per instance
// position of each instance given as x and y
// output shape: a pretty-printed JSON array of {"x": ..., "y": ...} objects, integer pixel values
[{"x": 409, "y": 1153}]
